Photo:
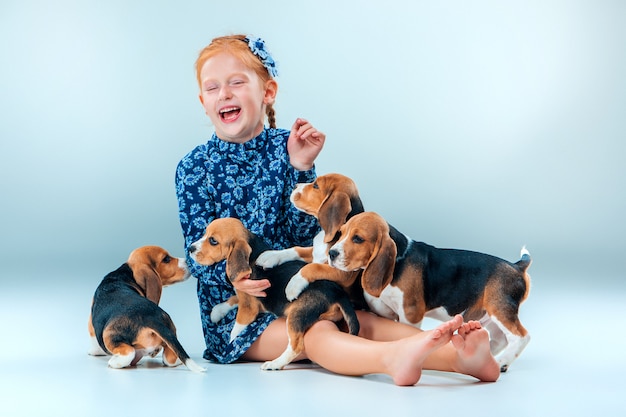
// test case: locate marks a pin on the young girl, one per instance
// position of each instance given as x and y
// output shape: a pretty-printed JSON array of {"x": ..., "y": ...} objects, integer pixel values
[{"x": 248, "y": 171}]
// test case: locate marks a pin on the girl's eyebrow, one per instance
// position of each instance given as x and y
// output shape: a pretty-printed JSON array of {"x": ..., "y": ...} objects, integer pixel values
[
  {"x": 230, "y": 76},
  {"x": 238, "y": 74}
]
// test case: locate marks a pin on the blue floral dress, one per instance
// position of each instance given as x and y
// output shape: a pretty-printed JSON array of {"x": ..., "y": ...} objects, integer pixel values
[{"x": 252, "y": 182}]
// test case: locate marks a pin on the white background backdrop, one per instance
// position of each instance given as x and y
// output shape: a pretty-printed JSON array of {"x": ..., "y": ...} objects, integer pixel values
[{"x": 483, "y": 125}]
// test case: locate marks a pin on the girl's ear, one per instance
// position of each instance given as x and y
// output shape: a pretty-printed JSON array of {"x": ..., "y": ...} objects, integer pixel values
[{"x": 271, "y": 89}]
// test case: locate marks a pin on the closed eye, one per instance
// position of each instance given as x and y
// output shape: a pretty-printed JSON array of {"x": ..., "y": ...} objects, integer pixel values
[
  {"x": 212, "y": 241},
  {"x": 167, "y": 259},
  {"x": 357, "y": 239}
]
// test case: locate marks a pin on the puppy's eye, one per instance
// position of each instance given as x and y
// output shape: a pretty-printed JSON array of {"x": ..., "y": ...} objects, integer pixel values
[
  {"x": 167, "y": 259},
  {"x": 357, "y": 239},
  {"x": 315, "y": 186},
  {"x": 212, "y": 241}
]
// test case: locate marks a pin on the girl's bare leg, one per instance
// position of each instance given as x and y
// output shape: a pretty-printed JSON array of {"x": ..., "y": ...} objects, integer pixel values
[
  {"x": 467, "y": 354},
  {"x": 345, "y": 354},
  {"x": 273, "y": 340},
  {"x": 401, "y": 359}
]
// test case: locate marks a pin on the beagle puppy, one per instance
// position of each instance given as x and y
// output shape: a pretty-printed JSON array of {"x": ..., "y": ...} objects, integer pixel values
[
  {"x": 126, "y": 321},
  {"x": 406, "y": 280},
  {"x": 331, "y": 199},
  {"x": 228, "y": 239}
]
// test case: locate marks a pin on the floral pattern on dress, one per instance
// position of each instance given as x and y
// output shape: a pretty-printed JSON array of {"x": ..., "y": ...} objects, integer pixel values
[{"x": 252, "y": 182}]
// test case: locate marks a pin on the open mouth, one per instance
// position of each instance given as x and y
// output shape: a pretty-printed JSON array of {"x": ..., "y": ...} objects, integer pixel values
[{"x": 230, "y": 113}]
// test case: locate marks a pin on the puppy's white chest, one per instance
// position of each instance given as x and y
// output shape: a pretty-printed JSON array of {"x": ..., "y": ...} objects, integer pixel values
[
  {"x": 389, "y": 304},
  {"x": 319, "y": 249}
]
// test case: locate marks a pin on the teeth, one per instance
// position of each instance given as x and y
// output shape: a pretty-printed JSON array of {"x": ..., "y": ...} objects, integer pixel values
[{"x": 229, "y": 109}]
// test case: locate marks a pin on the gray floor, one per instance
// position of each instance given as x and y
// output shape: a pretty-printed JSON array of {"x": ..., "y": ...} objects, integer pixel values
[{"x": 573, "y": 366}]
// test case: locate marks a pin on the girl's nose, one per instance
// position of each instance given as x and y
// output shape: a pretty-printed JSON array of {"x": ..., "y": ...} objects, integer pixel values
[{"x": 225, "y": 93}]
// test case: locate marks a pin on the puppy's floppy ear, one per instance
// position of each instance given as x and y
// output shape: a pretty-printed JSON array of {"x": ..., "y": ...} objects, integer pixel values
[
  {"x": 147, "y": 278},
  {"x": 379, "y": 271},
  {"x": 333, "y": 213},
  {"x": 238, "y": 260}
]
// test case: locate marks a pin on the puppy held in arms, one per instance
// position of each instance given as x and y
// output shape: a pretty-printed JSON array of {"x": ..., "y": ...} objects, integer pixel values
[
  {"x": 126, "y": 321},
  {"x": 407, "y": 280},
  {"x": 228, "y": 239}
]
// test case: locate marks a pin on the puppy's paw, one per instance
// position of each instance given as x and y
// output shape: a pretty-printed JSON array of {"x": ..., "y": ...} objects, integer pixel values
[
  {"x": 295, "y": 286},
  {"x": 272, "y": 258},
  {"x": 236, "y": 331},
  {"x": 272, "y": 365},
  {"x": 220, "y": 311},
  {"x": 95, "y": 349},
  {"x": 283, "y": 360},
  {"x": 96, "y": 352},
  {"x": 121, "y": 361}
]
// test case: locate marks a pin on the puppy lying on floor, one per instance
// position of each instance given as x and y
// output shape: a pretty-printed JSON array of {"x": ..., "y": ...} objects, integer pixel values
[
  {"x": 405, "y": 280},
  {"x": 126, "y": 321},
  {"x": 228, "y": 239}
]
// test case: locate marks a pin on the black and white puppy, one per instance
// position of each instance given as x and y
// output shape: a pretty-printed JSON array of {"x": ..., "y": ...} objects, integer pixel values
[{"x": 126, "y": 321}]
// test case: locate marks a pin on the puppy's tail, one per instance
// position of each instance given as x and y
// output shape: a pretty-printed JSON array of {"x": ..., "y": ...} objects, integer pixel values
[
  {"x": 169, "y": 337},
  {"x": 525, "y": 260},
  {"x": 522, "y": 265}
]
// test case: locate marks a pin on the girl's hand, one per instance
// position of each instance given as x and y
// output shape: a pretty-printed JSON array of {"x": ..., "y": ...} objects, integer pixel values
[
  {"x": 304, "y": 144},
  {"x": 254, "y": 287}
]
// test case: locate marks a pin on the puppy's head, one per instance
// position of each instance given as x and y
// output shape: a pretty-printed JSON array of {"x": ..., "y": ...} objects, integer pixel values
[
  {"x": 365, "y": 244},
  {"x": 330, "y": 198},
  {"x": 225, "y": 239},
  {"x": 153, "y": 268}
]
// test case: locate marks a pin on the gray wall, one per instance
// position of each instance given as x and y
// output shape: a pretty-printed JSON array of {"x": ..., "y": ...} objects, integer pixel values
[{"x": 485, "y": 125}]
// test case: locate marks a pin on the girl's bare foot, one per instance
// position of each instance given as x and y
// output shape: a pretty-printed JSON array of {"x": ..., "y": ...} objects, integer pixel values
[
  {"x": 473, "y": 354},
  {"x": 406, "y": 360}
]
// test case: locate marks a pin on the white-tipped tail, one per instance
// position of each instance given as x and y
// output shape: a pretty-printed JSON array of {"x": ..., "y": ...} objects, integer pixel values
[
  {"x": 192, "y": 366},
  {"x": 524, "y": 251}
]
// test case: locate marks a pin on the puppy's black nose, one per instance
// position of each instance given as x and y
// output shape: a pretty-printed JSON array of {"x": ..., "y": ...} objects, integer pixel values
[
  {"x": 192, "y": 249},
  {"x": 332, "y": 254}
]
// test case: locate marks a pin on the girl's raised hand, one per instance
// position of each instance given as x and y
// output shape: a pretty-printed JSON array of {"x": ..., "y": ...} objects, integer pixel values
[{"x": 304, "y": 144}]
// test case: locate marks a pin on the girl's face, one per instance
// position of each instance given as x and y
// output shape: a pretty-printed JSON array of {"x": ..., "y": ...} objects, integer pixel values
[{"x": 234, "y": 98}]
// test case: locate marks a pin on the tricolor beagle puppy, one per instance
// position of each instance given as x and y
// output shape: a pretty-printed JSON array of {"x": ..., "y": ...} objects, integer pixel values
[
  {"x": 331, "y": 199},
  {"x": 126, "y": 321},
  {"x": 406, "y": 280},
  {"x": 228, "y": 239}
]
